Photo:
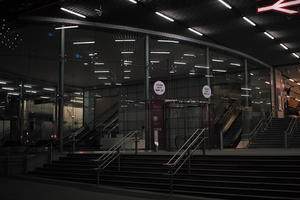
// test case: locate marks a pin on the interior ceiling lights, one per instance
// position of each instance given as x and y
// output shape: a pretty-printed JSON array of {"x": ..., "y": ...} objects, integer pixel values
[{"x": 73, "y": 12}]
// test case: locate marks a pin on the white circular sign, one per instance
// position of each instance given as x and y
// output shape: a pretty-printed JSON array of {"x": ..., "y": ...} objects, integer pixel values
[
  {"x": 159, "y": 88},
  {"x": 206, "y": 91}
]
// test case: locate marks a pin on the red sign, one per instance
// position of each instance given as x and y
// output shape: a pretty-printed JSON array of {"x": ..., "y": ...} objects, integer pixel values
[{"x": 282, "y": 6}]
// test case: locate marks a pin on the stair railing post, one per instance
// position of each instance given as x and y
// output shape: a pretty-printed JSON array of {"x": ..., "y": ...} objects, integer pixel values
[
  {"x": 204, "y": 143},
  {"x": 119, "y": 159},
  {"x": 221, "y": 141},
  {"x": 189, "y": 163},
  {"x": 136, "y": 143},
  {"x": 285, "y": 139},
  {"x": 74, "y": 143}
]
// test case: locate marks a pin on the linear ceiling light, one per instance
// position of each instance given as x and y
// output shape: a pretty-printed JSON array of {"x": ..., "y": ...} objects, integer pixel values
[
  {"x": 127, "y": 77},
  {"x": 25, "y": 86},
  {"x": 127, "y": 52},
  {"x": 168, "y": 41},
  {"x": 125, "y": 40},
  {"x": 225, "y": 4},
  {"x": 13, "y": 93},
  {"x": 155, "y": 61},
  {"x": 31, "y": 91},
  {"x": 249, "y": 21},
  {"x": 72, "y": 12},
  {"x": 165, "y": 17},
  {"x": 8, "y": 88},
  {"x": 49, "y": 89},
  {"x": 107, "y": 83},
  {"x": 127, "y": 71},
  {"x": 65, "y": 27},
  {"x": 201, "y": 67},
  {"x": 101, "y": 71},
  {"x": 179, "y": 63},
  {"x": 118, "y": 84},
  {"x": 269, "y": 35},
  {"x": 3, "y": 82},
  {"x": 247, "y": 89},
  {"x": 218, "y": 60},
  {"x": 296, "y": 55},
  {"x": 160, "y": 52},
  {"x": 102, "y": 78},
  {"x": 98, "y": 63},
  {"x": 284, "y": 46},
  {"x": 235, "y": 64},
  {"x": 189, "y": 55},
  {"x": 196, "y": 32},
  {"x": 292, "y": 80},
  {"x": 219, "y": 70},
  {"x": 133, "y": 1},
  {"x": 88, "y": 42}
]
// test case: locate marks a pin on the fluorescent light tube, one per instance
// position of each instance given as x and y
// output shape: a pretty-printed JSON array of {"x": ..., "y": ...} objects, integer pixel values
[
  {"x": 225, "y": 4},
  {"x": 249, "y": 21},
  {"x": 218, "y": 60},
  {"x": 165, "y": 17},
  {"x": 219, "y": 70},
  {"x": 168, "y": 41},
  {"x": 8, "y": 88},
  {"x": 72, "y": 12},
  {"x": 102, "y": 78},
  {"x": 283, "y": 46},
  {"x": 296, "y": 55},
  {"x": 101, "y": 71},
  {"x": 98, "y": 63},
  {"x": 235, "y": 64},
  {"x": 269, "y": 35},
  {"x": 127, "y": 52},
  {"x": 201, "y": 67},
  {"x": 66, "y": 27},
  {"x": 179, "y": 63},
  {"x": 196, "y": 32},
  {"x": 133, "y": 1},
  {"x": 87, "y": 42},
  {"x": 125, "y": 40},
  {"x": 160, "y": 52}
]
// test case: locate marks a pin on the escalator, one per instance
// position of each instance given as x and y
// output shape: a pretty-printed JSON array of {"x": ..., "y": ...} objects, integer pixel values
[
  {"x": 229, "y": 126},
  {"x": 89, "y": 134}
]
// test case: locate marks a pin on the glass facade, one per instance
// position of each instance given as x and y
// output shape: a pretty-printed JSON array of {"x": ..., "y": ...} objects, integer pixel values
[{"x": 120, "y": 81}]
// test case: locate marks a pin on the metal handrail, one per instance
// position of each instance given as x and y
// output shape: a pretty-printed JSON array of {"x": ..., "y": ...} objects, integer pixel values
[
  {"x": 189, "y": 150},
  {"x": 111, "y": 122},
  {"x": 114, "y": 153},
  {"x": 256, "y": 130},
  {"x": 290, "y": 130},
  {"x": 269, "y": 120}
]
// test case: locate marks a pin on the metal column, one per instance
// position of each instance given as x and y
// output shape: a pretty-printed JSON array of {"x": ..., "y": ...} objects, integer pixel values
[
  {"x": 148, "y": 137},
  {"x": 21, "y": 114},
  {"x": 61, "y": 90}
]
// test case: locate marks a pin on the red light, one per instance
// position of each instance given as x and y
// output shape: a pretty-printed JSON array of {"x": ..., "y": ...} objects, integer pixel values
[{"x": 281, "y": 6}]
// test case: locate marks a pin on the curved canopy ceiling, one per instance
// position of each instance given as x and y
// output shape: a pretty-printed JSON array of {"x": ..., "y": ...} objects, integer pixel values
[{"x": 218, "y": 23}]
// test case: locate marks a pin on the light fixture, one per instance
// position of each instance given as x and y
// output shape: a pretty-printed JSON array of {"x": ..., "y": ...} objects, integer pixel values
[
  {"x": 284, "y": 46},
  {"x": 49, "y": 89},
  {"x": 127, "y": 71},
  {"x": 76, "y": 101},
  {"x": 209, "y": 76},
  {"x": 269, "y": 35},
  {"x": 292, "y": 80},
  {"x": 219, "y": 70},
  {"x": 235, "y": 64},
  {"x": 127, "y": 77},
  {"x": 245, "y": 95},
  {"x": 160, "y": 52},
  {"x": 189, "y": 55},
  {"x": 246, "y": 89},
  {"x": 179, "y": 63},
  {"x": 155, "y": 61},
  {"x": 65, "y": 27},
  {"x": 118, "y": 84},
  {"x": 102, "y": 78},
  {"x": 249, "y": 21},
  {"x": 125, "y": 40},
  {"x": 298, "y": 83},
  {"x": 98, "y": 63},
  {"x": 194, "y": 31},
  {"x": 201, "y": 67},
  {"x": 101, "y": 71},
  {"x": 72, "y": 12},
  {"x": 8, "y": 88},
  {"x": 31, "y": 91},
  {"x": 251, "y": 74},
  {"x": 172, "y": 71},
  {"x": 218, "y": 60},
  {"x": 3, "y": 82},
  {"x": 165, "y": 17},
  {"x": 296, "y": 55},
  {"x": 87, "y": 42},
  {"x": 85, "y": 64},
  {"x": 44, "y": 97},
  {"x": 133, "y": 1},
  {"x": 225, "y": 4},
  {"x": 93, "y": 54},
  {"x": 127, "y": 52},
  {"x": 267, "y": 82},
  {"x": 13, "y": 93},
  {"x": 168, "y": 41}
]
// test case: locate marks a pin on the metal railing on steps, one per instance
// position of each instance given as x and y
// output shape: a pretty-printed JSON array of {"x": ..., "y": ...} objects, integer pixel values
[
  {"x": 184, "y": 154},
  {"x": 114, "y": 153},
  {"x": 292, "y": 128}
]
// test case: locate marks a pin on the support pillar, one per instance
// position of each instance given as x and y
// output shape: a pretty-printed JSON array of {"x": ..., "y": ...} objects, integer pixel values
[
  {"x": 148, "y": 135},
  {"x": 21, "y": 113},
  {"x": 61, "y": 91}
]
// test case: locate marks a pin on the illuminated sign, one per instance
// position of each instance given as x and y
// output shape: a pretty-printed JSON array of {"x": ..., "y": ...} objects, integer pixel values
[{"x": 282, "y": 6}]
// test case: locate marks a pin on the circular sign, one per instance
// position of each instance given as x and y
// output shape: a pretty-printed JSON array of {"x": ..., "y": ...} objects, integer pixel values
[
  {"x": 159, "y": 88},
  {"x": 206, "y": 91}
]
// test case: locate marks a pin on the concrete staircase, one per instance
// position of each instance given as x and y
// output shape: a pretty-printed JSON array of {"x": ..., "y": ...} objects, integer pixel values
[{"x": 218, "y": 177}]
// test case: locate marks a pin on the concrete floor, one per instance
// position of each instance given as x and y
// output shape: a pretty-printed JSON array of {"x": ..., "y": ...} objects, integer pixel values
[{"x": 44, "y": 189}]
